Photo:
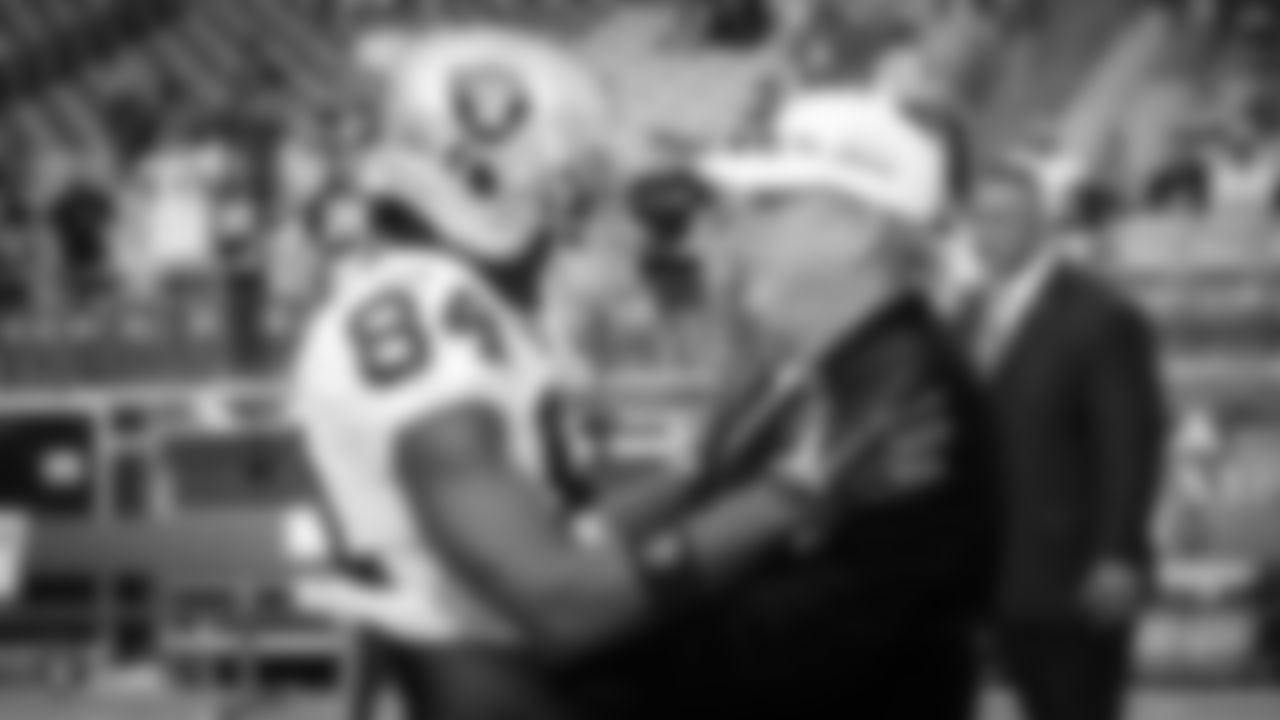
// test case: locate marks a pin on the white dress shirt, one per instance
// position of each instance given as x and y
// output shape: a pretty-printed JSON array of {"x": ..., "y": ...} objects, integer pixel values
[
  {"x": 1009, "y": 304},
  {"x": 958, "y": 274}
]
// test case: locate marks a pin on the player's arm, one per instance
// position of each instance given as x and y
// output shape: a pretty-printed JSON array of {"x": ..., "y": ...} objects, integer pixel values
[
  {"x": 635, "y": 507},
  {"x": 496, "y": 529},
  {"x": 571, "y": 583}
]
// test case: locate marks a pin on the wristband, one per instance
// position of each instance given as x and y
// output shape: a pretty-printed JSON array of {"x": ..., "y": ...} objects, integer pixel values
[{"x": 662, "y": 561}]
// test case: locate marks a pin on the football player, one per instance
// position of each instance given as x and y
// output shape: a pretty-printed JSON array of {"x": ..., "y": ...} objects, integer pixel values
[{"x": 421, "y": 387}]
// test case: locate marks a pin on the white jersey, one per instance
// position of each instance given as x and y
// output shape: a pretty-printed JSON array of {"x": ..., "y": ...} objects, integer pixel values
[{"x": 404, "y": 334}]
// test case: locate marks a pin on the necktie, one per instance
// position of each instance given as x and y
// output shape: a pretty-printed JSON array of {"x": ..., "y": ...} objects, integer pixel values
[{"x": 971, "y": 326}]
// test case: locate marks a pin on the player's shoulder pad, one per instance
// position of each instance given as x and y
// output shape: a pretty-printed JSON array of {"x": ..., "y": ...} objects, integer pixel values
[{"x": 421, "y": 283}]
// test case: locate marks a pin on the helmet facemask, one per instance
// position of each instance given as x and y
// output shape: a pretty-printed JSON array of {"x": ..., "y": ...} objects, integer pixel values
[{"x": 462, "y": 195}]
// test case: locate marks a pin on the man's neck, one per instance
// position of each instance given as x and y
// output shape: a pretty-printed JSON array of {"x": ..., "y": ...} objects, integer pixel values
[
  {"x": 1037, "y": 264},
  {"x": 517, "y": 283}
]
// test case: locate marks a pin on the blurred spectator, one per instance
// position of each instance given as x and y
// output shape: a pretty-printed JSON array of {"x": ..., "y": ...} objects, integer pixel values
[
  {"x": 302, "y": 174},
  {"x": 1153, "y": 133},
  {"x": 1254, "y": 24},
  {"x": 15, "y": 161},
  {"x": 251, "y": 122},
  {"x": 842, "y": 45},
  {"x": 1197, "y": 458},
  {"x": 301, "y": 168},
  {"x": 167, "y": 227},
  {"x": 950, "y": 61},
  {"x": 14, "y": 294},
  {"x": 15, "y": 242},
  {"x": 1093, "y": 207},
  {"x": 245, "y": 280},
  {"x": 666, "y": 205},
  {"x": 739, "y": 23},
  {"x": 792, "y": 18},
  {"x": 134, "y": 123},
  {"x": 81, "y": 217},
  {"x": 1182, "y": 184},
  {"x": 1268, "y": 596}
]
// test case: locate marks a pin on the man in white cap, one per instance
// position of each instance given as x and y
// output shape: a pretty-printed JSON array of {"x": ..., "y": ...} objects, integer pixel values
[
  {"x": 841, "y": 202},
  {"x": 875, "y": 617}
]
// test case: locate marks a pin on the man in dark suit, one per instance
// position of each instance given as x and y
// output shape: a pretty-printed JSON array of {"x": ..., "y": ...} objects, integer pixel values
[
  {"x": 876, "y": 616},
  {"x": 880, "y": 619},
  {"x": 1076, "y": 396}
]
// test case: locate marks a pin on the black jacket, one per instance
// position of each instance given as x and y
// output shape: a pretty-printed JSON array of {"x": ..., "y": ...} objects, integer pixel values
[
  {"x": 899, "y": 567},
  {"x": 885, "y": 575},
  {"x": 1078, "y": 405}
]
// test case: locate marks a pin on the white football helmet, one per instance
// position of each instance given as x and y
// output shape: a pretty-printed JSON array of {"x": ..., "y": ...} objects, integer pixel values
[{"x": 487, "y": 132}]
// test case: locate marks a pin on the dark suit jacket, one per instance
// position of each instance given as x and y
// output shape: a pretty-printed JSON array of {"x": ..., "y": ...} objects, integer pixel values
[
  {"x": 895, "y": 567},
  {"x": 1079, "y": 414},
  {"x": 895, "y": 581}
]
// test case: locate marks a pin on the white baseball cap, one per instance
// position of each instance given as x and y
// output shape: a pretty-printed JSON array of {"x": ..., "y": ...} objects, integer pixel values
[{"x": 851, "y": 141}]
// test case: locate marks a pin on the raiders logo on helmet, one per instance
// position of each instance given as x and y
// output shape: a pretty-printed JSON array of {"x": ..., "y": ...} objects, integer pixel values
[{"x": 490, "y": 102}]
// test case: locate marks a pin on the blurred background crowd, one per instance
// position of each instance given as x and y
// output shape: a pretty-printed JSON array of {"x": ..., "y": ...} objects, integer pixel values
[{"x": 166, "y": 171}]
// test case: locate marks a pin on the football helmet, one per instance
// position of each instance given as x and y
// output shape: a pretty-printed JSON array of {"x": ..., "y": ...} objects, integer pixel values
[{"x": 489, "y": 134}]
